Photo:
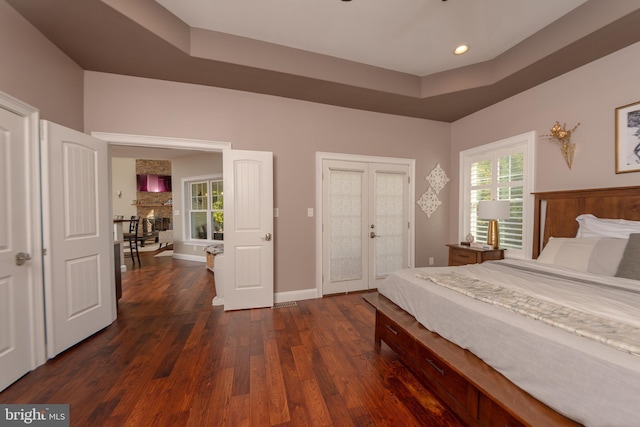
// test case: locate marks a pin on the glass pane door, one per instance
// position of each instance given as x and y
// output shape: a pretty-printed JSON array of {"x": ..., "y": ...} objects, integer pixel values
[
  {"x": 345, "y": 217},
  {"x": 390, "y": 222},
  {"x": 345, "y": 251}
]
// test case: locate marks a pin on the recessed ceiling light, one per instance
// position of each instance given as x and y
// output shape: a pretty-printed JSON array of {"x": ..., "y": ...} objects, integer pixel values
[{"x": 461, "y": 49}]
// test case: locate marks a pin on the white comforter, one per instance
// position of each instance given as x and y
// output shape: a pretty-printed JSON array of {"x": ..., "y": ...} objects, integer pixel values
[{"x": 589, "y": 381}]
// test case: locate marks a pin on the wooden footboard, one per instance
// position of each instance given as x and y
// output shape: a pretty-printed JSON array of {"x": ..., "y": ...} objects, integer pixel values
[{"x": 477, "y": 393}]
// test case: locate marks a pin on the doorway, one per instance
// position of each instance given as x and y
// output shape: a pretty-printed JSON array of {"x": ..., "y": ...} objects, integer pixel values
[
  {"x": 365, "y": 220},
  {"x": 246, "y": 173},
  {"x": 141, "y": 147}
]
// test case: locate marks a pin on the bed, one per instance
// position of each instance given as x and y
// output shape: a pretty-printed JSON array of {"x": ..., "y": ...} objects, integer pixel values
[{"x": 479, "y": 337}]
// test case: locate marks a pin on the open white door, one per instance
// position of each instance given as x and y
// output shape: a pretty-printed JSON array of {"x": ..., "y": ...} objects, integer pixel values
[
  {"x": 21, "y": 343},
  {"x": 248, "y": 226},
  {"x": 79, "y": 280}
]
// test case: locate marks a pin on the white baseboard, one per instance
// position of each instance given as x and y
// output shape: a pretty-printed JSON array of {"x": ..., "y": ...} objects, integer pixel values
[
  {"x": 186, "y": 257},
  {"x": 295, "y": 295}
]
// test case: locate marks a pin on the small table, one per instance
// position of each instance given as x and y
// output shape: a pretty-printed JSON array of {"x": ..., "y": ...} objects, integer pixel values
[{"x": 463, "y": 255}]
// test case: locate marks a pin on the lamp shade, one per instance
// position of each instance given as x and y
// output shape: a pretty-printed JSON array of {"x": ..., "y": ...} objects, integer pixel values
[{"x": 494, "y": 209}]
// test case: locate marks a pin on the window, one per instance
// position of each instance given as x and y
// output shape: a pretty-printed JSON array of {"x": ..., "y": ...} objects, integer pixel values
[
  {"x": 217, "y": 208},
  {"x": 501, "y": 170},
  {"x": 206, "y": 209}
]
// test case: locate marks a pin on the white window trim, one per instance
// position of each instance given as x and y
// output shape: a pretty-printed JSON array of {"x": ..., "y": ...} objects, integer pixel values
[
  {"x": 186, "y": 190},
  {"x": 528, "y": 139}
]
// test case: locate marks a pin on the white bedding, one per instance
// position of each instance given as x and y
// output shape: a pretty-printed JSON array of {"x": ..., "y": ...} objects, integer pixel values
[{"x": 582, "y": 378}]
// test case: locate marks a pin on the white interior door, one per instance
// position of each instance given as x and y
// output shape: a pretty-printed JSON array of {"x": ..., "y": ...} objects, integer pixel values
[
  {"x": 248, "y": 229},
  {"x": 389, "y": 223},
  {"x": 365, "y": 222},
  {"x": 18, "y": 339},
  {"x": 78, "y": 236}
]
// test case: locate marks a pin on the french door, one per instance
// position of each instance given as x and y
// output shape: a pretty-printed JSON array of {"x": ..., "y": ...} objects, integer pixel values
[{"x": 365, "y": 223}]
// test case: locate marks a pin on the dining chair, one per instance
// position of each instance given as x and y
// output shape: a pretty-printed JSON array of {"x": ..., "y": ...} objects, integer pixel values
[{"x": 132, "y": 238}]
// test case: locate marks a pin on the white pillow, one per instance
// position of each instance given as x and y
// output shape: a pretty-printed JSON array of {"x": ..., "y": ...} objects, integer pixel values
[
  {"x": 591, "y": 226},
  {"x": 599, "y": 256}
]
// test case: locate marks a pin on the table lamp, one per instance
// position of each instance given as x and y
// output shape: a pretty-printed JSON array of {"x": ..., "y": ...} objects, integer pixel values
[{"x": 493, "y": 210}]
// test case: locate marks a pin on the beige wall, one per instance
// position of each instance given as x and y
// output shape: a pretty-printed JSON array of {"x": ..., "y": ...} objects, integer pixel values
[
  {"x": 294, "y": 131},
  {"x": 123, "y": 178},
  {"x": 588, "y": 95},
  {"x": 36, "y": 72}
]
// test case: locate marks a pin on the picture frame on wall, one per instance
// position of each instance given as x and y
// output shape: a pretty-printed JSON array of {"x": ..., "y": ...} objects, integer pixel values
[{"x": 628, "y": 138}]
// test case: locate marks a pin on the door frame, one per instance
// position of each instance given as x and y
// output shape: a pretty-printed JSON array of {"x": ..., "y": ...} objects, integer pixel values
[
  {"x": 162, "y": 142},
  {"x": 31, "y": 117},
  {"x": 320, "y": 158}
]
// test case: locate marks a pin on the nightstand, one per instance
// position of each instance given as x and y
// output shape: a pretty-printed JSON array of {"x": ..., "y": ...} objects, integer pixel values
[{"x": 462, "y": 255}]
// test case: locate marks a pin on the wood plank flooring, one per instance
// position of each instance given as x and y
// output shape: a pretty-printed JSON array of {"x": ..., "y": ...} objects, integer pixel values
[{"x": 171, "y": 359}]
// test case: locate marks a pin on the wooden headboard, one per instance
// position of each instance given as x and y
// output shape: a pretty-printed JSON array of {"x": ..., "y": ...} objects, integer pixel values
[{"x": 556, "y": 211}]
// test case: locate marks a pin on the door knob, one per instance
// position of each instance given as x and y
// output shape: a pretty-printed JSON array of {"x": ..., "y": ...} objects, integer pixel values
[
  {"x": 267, "y": 237},
  {"x": 373, "y": 235},
  {"x": 22, "y": 257}
]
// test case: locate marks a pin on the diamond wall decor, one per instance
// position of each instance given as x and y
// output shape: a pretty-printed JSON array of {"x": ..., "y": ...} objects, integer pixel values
[{"x": 437, "y": 178}]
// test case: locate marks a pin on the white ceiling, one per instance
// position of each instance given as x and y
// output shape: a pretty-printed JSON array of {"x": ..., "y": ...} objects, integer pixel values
[{"x": 410, "y": 36}]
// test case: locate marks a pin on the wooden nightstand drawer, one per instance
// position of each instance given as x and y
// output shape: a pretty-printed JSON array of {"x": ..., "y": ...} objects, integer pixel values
[
  {"x": 463, "y": 255},
  {"x": 458, "y": 257}
]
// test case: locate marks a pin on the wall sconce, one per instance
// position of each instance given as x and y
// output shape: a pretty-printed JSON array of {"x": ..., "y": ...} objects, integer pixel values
[{"x": 493, "y": 210}]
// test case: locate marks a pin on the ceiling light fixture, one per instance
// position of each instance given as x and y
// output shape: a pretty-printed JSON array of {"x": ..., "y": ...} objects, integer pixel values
[{"x": 461, "y": 49}]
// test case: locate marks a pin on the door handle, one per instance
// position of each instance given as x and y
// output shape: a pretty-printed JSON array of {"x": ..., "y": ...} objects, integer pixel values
[
  {"x": 267, "y": 237},
  {"x": 22, "y": 257},
  {"x": 373, "y": 235}
]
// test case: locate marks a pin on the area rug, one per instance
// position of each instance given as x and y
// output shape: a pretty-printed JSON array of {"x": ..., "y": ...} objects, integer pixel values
[
  {"x": 164, "y": 253},
  {"x": 149, "y": 247}
]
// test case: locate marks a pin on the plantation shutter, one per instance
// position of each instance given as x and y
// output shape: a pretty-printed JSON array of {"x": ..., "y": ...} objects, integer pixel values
[{"x": 498, "y": 176}]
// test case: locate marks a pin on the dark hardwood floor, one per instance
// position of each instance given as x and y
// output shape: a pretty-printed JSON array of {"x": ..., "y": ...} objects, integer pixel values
[{"x": 171, "y": 359}]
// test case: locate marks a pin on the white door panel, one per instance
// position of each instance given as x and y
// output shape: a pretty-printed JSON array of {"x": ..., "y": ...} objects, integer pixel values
[
  {"x": 15, "y": 280},
  {"x": 389, "y": 213},
  {"x": 79, "y": 288},
  {"x": 248, "y": 213},
  {"x": 346, "y": 263}
]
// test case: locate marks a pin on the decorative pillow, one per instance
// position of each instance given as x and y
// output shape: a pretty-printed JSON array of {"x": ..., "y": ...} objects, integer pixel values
[
  {"x": 591, "y": 226},
  {"x": 630, "y": 264},
  {"x": 593, "y": 255}
]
